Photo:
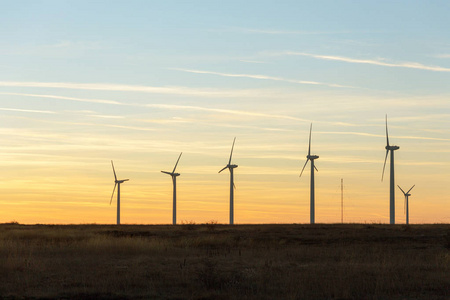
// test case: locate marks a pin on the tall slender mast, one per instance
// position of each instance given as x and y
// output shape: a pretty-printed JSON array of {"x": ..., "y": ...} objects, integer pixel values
[
  {"x": 392, "y": 191},
  {"x": 118, "y": 204},
  {"x": 231, "y": 197},
  {"x": 311, "y": 158},
  {"x": 390, "y": 148},
  {"x": 174, "y": 216},
  {"x": 407, "y": 209},
  {"x": 230, "y": 167},
  {"x": 311, "y": 189},
  {"x": 407, "y": 194},
  {"x": 174, "y": 181},
  {"x": 342, "y": 200},
  {"x": 116, "y": 184}
]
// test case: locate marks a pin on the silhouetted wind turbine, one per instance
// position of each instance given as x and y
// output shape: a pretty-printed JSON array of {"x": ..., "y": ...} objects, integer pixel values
[
  {"x": 392, "y": 179},
  {"x": 174, "y": 180},
  {"x": 117, "y": 183},
  {"x": 232, "y": 186},
  {"x": 311, "y": 158},
  {"x": 407, "y": 194}
]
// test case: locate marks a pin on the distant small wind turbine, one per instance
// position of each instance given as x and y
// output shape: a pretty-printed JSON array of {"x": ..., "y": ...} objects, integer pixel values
[
  {"x": 117, "y": 183},
  {"x": 407, "y": 194},
  {"x": 311, "y": 158},
  {"x": 232, "y": 186},
  {"x": 174, "y": 180},
  {"x": 392, "y": 177}
]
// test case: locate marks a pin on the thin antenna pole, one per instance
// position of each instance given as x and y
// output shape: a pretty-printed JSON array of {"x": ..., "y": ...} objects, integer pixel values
[{"x": 342, "y": 200}]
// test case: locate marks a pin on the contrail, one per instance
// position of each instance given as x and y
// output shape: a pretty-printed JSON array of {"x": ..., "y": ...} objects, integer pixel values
[
  {"x": 263, "y": 77},
  {"x": 410, "y": 65},
  {"x": 28, "y": 110},
  {"x": 139, "y": 88}
]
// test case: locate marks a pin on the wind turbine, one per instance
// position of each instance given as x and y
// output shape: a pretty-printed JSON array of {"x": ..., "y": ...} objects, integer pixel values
[
  {"x": 311, "y": 158},
  {"x": 174, "y": 180},
  {"x": 407, "y": 194},
  {"x": 232, "y": 186},
  {"x": 392, "y": 179},
  {"x": 117, "y": 183}
]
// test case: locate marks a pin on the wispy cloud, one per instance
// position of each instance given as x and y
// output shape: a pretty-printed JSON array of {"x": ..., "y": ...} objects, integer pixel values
[
  {"x": 190, "y": 108},
  {"x": 106, "y": 116},
  {"x": 99, "y": 124},
  {"x": 383, "y": 136},
  {"x": 167, "y": 106},
  {"x": 28, "y": 110},
  {"x": 443, "y": 56},
  {"x": 253, "y": 61},
  {"x": 84, "y": 45},
  {"x": 215, "y": 124},
  {"x": 168, "y": 121},
  {"x": 66, "y": 98},
  {"x": 421, "y": 138},
  {"x": 410, "y": 65},
  {"x": 263, "y": 77},
  {"x": 203, "y": 92},
  {"x": 226, "y": 111},
  {"x": 283, "y": 32}
]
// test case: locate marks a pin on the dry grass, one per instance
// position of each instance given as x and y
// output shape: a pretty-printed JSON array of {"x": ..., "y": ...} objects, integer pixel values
[{"x": 213, "y": 261}]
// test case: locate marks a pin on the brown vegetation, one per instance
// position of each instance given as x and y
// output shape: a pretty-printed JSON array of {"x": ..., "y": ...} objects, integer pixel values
[{"x": 212, "y": 261}]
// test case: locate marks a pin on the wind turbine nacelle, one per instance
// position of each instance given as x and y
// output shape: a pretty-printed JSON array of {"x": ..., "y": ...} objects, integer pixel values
[
  {"x": 175, "y": 174},
  {"x": 392, "y": 148},
  {"x": 312, "y": 156},
  {"x": 232, "y": 166}
]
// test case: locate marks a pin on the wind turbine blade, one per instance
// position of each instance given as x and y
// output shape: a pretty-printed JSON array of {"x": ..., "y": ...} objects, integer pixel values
[
  {"x": 231, "y": 154},
  {"x": 402, "y": 190},
  {"x": 410, "y": 189},
  {"x": 304, "y": 167},
  {"x": 309, "y": 147},
  {"x": 223, "y": 169},
  {"x": 113, "y": 193},
  {"x": 166, "y": 173},
  {"x": 177, "y": 163},
  {"x": 384, "y": 166},
  {"x": 387, "y": 135},
  {"x": 115, "y": 176},
  {"x": 316, "y": 168}
]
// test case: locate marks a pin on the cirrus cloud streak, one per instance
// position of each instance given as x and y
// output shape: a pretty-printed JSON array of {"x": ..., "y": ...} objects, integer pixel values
[
  {"x": 264, "y": 77},
  {"x": 410, "y": 65}
]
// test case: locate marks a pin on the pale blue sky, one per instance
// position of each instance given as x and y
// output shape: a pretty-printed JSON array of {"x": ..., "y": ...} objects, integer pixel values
[{"x": 84, "y": 82}]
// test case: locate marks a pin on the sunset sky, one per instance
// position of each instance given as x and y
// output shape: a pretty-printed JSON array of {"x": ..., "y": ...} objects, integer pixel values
[{"x": 138, "y": 82}]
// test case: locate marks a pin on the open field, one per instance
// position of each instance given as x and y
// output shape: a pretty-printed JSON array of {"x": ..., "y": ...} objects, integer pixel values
[{"x": 211, "y": 261}]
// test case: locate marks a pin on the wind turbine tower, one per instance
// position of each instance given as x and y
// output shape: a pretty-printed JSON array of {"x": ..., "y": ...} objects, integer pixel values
[
  {"x": 311, "y": 158},
  {"x": 407, "y": 194},
  {"x": 390, "y": 149},
  {"x": 230, "y": 167},
  {"x": 174, "y": 180},
  {"x": 117, "y": 183}
]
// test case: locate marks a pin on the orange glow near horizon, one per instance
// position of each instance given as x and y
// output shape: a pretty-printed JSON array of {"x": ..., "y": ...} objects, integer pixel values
[{"x": 75, "y": 198}]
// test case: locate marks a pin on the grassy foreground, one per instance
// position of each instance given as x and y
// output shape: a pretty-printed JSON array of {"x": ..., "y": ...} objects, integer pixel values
[{"x": 210, "y": 261}]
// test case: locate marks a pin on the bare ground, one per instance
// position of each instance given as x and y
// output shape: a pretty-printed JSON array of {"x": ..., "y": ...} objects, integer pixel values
[{"x": 211, "y": 261}]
